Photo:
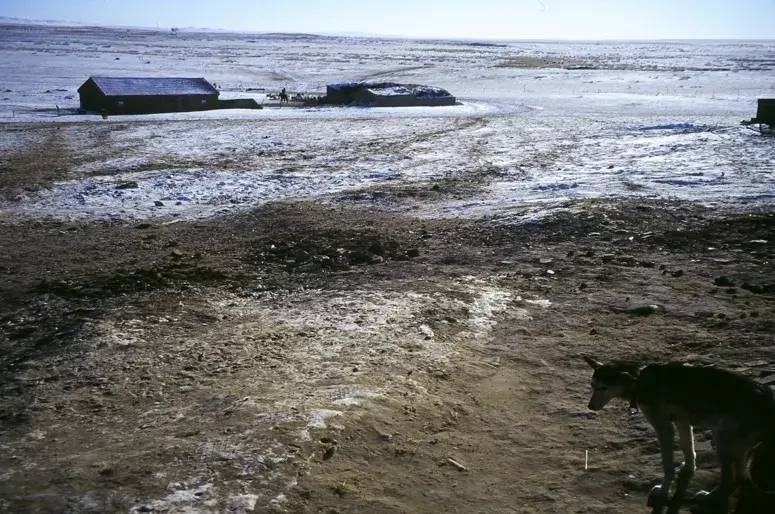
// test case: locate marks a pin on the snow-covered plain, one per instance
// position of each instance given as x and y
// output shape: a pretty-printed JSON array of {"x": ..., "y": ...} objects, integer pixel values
[{"x": 542, "y": 122}]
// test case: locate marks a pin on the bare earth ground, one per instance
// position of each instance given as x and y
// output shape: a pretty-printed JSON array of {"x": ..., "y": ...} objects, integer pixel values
[{"x": 311, "y": 358}]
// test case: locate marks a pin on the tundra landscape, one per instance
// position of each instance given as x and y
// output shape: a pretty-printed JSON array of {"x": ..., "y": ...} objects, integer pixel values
[{"x": 323, "y": 309}]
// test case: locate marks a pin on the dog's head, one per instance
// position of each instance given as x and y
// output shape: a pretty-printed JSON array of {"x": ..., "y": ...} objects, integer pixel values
[{"x": 610, "y": 381}]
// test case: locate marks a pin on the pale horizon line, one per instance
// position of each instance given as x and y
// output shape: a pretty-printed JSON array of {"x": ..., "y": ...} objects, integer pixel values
[{"x": 9, "y": 20}]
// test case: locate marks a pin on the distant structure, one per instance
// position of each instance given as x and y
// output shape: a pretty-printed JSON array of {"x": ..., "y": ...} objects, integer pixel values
[
  {"x": 387, "y": 94},
  {"x": 120, "y": 95},
  {"x": 765, "y": 116}
]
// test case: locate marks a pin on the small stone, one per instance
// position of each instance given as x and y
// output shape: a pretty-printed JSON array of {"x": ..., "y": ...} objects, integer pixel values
[
  {"x": 593, "y": 332},
  {"x": 755, "y": 289},
  {"x": 128, "y": 185},
  {"x": 158, "y": 203},
  {"x": 678, "y": 273},
  {"x": 724, "y": 281},
  {"x": 412, "y": 253},
  {"x": 243, "y": 503},
  {"x": 545, "y": 260},
  {"x": 377, "y": 248},
  {"x": 176, "y": 254}
]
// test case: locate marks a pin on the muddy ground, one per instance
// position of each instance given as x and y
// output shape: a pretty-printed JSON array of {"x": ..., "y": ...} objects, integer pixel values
[{"x": 308, "y": 358}]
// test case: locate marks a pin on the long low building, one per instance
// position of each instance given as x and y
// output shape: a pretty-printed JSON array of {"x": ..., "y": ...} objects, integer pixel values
[
  {"x": 387, "y": 94},
  {"x": 146, "y": 95}
]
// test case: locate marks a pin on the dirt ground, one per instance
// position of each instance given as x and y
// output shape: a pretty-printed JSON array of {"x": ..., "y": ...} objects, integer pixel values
[{"x": 337, "y": 359}]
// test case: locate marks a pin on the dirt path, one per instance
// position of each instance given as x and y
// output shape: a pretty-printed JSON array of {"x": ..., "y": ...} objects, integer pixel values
[{"x": 304, "y": 358}]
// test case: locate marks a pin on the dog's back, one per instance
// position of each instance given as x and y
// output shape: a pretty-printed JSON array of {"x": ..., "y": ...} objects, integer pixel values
[{"x": 706, "y": 396}]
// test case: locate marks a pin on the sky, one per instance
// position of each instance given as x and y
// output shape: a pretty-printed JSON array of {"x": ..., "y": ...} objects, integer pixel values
[{"x": 482, "y": 19}]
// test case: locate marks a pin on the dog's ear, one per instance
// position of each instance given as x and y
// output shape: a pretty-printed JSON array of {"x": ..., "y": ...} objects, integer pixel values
[{"x": 592, "y": 362}]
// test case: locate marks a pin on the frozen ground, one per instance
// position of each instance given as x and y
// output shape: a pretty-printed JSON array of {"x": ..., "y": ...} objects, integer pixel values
[
  {"x": 645, "y": 119},
  {"x": 303, "y": 356}
]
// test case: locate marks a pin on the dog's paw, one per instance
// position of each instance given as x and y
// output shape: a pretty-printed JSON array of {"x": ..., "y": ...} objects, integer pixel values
[
  {"x": 709, "y": 502},
  {"x": 657, "y": 497}
]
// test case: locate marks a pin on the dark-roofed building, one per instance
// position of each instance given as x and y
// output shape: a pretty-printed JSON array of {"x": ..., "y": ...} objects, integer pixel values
[
  {"x": 387, "y": 94},
  {"x": 126, "y": 95}
]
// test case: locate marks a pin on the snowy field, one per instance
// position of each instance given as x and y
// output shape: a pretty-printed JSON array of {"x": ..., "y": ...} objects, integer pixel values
[{"x": 540, "y": 123}]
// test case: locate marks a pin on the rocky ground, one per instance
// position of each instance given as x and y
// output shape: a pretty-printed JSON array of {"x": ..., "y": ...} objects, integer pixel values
[{"x": 310, "y": 358}]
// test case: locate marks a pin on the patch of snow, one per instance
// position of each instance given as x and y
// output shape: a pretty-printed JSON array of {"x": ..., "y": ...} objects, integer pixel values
[{"x": 317, "y": 417}]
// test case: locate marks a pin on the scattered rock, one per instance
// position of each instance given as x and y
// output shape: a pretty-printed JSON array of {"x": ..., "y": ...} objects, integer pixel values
[
  {"x": 677, "y": 273},
  {"x": 176, "y": 254},
  {"x": 128, "y": 185},
  {"x": 302, "y": 256},
  {"x": 378, "y": 248},
  {"x": 158, "y": 203},
  {"x": 641, "y": 310},
  {"x": 329, "y": 451},
  {"x": 243, "y": 503},
  {"x": 412, "y": 253},
  {"x": 545, "y": 260},
  {"x": 724, "y": 281}
]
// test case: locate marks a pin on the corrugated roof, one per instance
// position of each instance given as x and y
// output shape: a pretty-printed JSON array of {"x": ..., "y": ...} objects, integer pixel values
[{"x": 153, "y": 86}]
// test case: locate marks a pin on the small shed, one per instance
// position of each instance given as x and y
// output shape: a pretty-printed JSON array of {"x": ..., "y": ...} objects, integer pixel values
[
  {"x": 387, "y": 94},
  {"x": 146, "y": 95},
  {"x": 765, "y": 112}
]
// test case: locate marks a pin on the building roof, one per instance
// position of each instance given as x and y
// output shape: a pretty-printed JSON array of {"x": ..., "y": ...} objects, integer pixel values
[
  {"x": 153, "y": 86},
  {"x": 392, "y": 89}
]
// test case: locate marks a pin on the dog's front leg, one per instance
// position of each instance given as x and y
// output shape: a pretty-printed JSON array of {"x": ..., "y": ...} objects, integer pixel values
[
  {"x": 659, "y": 494},
  {"x": 686, "y": 441}
]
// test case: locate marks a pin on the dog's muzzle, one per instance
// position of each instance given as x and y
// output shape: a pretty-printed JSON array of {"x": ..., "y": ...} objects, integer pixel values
[{"x": 592, "y": 406}]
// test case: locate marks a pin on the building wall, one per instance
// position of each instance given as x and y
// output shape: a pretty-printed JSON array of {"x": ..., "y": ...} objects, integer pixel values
[
  {"x": 337, "y": 95},
  {"x": 92, "y": 100},
  {"x": 366, "y": 97},
  {"x": 766, "y": 110}
]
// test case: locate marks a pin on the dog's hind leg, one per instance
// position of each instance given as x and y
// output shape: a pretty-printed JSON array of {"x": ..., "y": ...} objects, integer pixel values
[
  {"x": 729, "y": 454},
  {"x": 686, "y": 441}
]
